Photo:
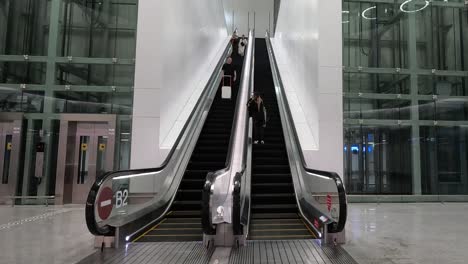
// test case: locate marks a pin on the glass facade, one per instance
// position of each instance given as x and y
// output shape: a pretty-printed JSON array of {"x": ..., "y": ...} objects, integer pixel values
[
  {"x": 66, "y": 57},
  {"x": 405, "y": 96}
]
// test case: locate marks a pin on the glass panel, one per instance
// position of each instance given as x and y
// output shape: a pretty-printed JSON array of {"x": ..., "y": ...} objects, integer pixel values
[
  {"x": 37, "y": 171},
  {"x": 82, "y": 102},
  {"x": 95, "y": 74},
  {"x": 440, "y": 37},
  {"x": 22, "y": 72},
  {"x": 444, "y": 160},
  {"x": 83, "y": 162},
  {"x": 12, "y": 100},
  {"x": 443, "y": 85},
  {"x": 376, "y": 109},
  {"x": 375, "y": 35},
  {"x": 125, "y": 145},
  {"x": 6, "y": 158},
  {"x": 122, "y": 103},
  {"x": 452, "y": 109},
  {"x": 378, "y": 159},
  {"x": 103, "y": 29},
  {"x": 94, "y": 102},
  {"x": 427, "y": 110},
  {"x": 101, "y": 156},
  {"x": 24, "y": 27},
  {"x": 124, "y": 161},
  {"x": 376, "y": 83}
]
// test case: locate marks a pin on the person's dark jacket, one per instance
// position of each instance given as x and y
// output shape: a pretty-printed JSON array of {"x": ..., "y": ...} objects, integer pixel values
[{"x": 257, "y": 113}]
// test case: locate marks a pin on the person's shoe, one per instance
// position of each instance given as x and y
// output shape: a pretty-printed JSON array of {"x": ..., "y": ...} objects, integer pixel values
[
  {"x": 262, "y": 142},
  {"x": 256, "y": 142}
]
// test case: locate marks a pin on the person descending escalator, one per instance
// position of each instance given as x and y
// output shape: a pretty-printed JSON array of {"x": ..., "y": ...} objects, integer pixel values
[
  {"x": 235, "y": 43},
  {"x": 258, "y": 113},
  {"x": 242, "y": 46},
  {"x": 230, "y": 76}
]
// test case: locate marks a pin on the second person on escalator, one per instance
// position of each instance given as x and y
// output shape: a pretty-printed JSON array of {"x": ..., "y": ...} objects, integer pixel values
[
  {"x": 258, "y": 113},
  {"x": 230, "y": 76}
]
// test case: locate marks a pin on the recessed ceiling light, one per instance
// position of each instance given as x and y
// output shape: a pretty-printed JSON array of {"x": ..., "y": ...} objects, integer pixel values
[
  {"x": 345, "y": 12},
  {"x": 413, "y": 11},
  {"x": 367, "y": 10}
]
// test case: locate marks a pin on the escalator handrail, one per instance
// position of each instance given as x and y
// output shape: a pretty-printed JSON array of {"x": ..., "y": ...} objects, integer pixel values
[
  {"x": 338, "y": 227},
  {"x": 241, "y": 201},
  {"x": 92, "y": 196},
  {"x": 241, "y": 194},
  {"x": 207, "y": 225}
]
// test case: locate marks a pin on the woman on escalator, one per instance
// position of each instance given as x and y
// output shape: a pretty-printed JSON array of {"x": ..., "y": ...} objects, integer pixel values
[{"x": 258, "y": 113}]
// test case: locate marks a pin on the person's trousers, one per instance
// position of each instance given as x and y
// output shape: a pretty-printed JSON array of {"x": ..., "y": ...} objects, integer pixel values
[{"x": 259, "y": 132}]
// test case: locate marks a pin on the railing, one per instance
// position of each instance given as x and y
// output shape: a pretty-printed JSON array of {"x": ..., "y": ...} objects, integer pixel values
[
  {"x": 241, "y": 194},
  {"x": 320, "y": 195},
  {"x": 219, "y": 185},
  {"x": 113, "y": 200},
  {"x": 45, "y": 198}
]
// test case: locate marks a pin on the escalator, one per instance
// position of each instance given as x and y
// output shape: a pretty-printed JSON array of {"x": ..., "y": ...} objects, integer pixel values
[
  {"x": 274, "y": 211},
  {"x": 165, "y": 203},
  {"x": 183, "y": 221},
  {"x": 275, "y": 195}
]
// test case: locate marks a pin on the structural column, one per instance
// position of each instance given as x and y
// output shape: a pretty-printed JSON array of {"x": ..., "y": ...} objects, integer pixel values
[
  {"x": 49, "y": 97},
  {"x": 415, "y": 136}
]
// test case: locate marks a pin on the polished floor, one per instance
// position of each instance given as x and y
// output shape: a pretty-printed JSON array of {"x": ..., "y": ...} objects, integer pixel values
[
  {"x": 43, "y": 235},
  {"x": 376, "y": 233},
  {"x": 411, "y": 233}
]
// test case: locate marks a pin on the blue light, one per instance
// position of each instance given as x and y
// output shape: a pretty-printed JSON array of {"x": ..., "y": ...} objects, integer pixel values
[
  {"x": 370, "y": 149},
  {"x": 355, "y": 148}
]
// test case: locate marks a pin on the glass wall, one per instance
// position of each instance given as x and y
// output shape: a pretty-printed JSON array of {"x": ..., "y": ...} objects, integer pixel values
[
  {"x": 405, "y": 96},
  {"x": 66, "y": 57}
]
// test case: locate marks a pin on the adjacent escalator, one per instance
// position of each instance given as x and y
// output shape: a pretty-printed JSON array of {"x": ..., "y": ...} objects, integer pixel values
[
  {"x": 183, "y": 221},
  {"x": 274, "y": 211}
]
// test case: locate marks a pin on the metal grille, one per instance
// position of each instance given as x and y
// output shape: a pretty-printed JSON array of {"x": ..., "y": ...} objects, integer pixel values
[
  {"x": 145, "y": 253},
  {"x": 290, "y": 251}
]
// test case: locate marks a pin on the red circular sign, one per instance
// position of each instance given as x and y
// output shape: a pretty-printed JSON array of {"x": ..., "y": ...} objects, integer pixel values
[{"x": 104, "y": 203}]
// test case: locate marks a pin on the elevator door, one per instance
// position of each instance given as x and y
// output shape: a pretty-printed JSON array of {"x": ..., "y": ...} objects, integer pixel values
[
  {"x": 91, "y": 158},
  {"x": 6, "y": 147}
]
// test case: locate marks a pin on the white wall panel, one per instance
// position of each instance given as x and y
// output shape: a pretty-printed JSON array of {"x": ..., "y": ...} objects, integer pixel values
[
  {"x": 307, "y": 45},
  {"x": 240, "y": 14},
  {"x": 178, "y": 45}
]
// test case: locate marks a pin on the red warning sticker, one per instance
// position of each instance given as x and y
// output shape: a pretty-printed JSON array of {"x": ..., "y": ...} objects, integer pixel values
[{"x": 104, "y": 203}]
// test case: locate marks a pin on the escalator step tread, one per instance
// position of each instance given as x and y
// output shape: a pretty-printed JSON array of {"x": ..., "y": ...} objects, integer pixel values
[
  {"x": 274, "y": 215},
  {"x": 273, "y": 195},
  {"x": 274, "y": 206},
  {"x": 270, "y": 184},
  {"x": 272, "y": 175},
  {"x": 187, "y": 214}
]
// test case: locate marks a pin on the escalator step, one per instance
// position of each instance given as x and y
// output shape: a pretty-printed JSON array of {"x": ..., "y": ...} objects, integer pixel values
[
  {"x": 274, "y": 217},
  {"x": 186, "y": 195},
  {"x": 271, "y": 169},
  {"x": 185, "y": 215},
  {"x": 205, "y": 165},
  {"x": 272, "y": 178},
  {"x": 198, "y": 174},
  {"x": 277, "y": 198}
]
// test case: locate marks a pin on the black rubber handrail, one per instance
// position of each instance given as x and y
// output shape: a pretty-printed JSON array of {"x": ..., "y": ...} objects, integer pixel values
[
  {"x": 206, "y": 212},
  {"x": 236, "y": 205},
  {"x": 343, "y": 206},
  {"x": 92, "y": 196}
]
